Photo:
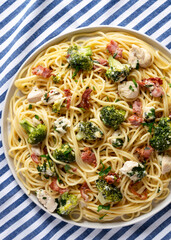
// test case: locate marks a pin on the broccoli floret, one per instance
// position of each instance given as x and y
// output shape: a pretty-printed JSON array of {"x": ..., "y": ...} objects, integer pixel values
[
  {"x": 79, "y": 58},
  {"x": 35, "y": 134},
  {"x": 88, "y": 131},
  {"x": 117, "y": 71},
  {"x": 56, "y": 78},
  {"x": 48, "y": 168},
  {"x": 137, "y": 173},
  {"x": 112, "y": 117},
  {"x": 67, "y": 203},
  {"x": 109, "y": 192},
  {"x": 64, "y": 154},
  {"x": 161, "y": 139}
]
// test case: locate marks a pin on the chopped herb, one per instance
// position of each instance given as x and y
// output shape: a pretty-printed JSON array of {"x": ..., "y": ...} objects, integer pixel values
[
  {"x": 158, "y": 190},
  {"x": 128, "y": 138},
  {"x": 83, "y": 109},
  {"x": 149, "y": 85},
  {"x": 95, "y": 61},
  {"x": 75, "y": 80},
  {"x": 67, "y": 168},
  {"x": 107, "y": 99},
  {"x": 100, "y": 207},
  {"x": 149, "y": 125},
  {"x": 168, "y": 95},
  {"x": 117, "y": 100},
  {"x": 30, "y": 106},
  {"x": 75, "y": 72},
  {"x": 62, "y": 64},
  {"x": 138, "y": 65},
  {"x": 46, "y": 156},
  {"x": 104, "y": 171},
  {"x": 135, "y": 83},
  {"x": 100, "y": 218},
  {"x": 131, "y": 88},
  {"x": 37, "y": 117},
  {"x": 44, "y": 197},
  {"x": 114, "y": 55},
  {"x": 131, "y": 106},
  {"x": 94, "y": 88},
  {"x": 170, "y": 85}
]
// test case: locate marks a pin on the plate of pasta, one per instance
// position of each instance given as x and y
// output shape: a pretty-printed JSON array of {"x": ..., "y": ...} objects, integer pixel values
[{"x": 89, "y": 127}]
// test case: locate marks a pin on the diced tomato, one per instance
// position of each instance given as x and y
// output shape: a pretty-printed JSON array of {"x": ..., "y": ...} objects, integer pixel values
[
  {"x": 135, "y": 120},
  {"x": 85, "y": 99},
  {"x": 54, "y": 186},
  {"x": 41, "y": 71},
  {"x": 88, "y": 156},
  {"x": 114, "y": 49},
  {"x": 83, "y": 190},
  {"x": 35, "y": 158}
]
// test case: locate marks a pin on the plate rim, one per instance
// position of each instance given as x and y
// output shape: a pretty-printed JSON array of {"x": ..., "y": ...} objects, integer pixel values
[{"x": 58, "y": 38}]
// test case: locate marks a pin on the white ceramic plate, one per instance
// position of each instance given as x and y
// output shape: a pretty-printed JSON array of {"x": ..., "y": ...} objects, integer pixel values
[{"x": 6, "y": 127}]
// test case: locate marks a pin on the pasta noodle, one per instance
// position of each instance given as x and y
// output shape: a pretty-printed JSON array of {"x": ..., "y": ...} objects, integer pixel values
[{"x": 105, "y": 92}]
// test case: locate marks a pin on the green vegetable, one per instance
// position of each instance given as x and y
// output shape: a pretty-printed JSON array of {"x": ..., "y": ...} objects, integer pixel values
[
  {"x": 104, "y": 171},
  {"x": 56, "y": 78},
  {"x": 67, "y": 168},
  {"x": 48, "y": 167},
  {"x": 30, "y": 106},
  {"x": 112, "y": 117},
  {"x": 135, "y": 83},
  {"x": 138, "y": 171},
  {"x": 35, "y": 134},
  {"x": 100, "y": 218},
  {"x": 149, "y": 125},
  {"x": 37, "y": 117},
  {"x": 64, "y": 154},
  {"x": 131, "y": 88},
  {"x": 67, "y": 203},
  {"x": 117, "y": 143},
  {"x": 117, "y": 71},
  {"x": 109, "y": 191},
  {"x": 88, "y": 131},
  {"x": 150, "y": 115},
  {"x": 138, "y": 65},
  {"x": 161, "y": 139},
  {"x": 100, "y": 207},
  {"x": 79, "y": 58}
]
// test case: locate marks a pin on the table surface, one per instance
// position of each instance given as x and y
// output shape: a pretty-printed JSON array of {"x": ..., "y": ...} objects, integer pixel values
[{"x": 26, "y": 25}]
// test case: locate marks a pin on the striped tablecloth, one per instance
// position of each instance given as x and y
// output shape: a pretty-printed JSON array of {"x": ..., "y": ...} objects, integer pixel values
[{"x": 24, "y": 26}]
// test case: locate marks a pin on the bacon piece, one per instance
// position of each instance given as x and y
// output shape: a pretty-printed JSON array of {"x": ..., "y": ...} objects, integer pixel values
[
  {"x": 112, "y": 177},
  {"x": 102, "y": 62},
  {"x": 88, "y": 156},
  {"x": 113, "y": 49},
  {"x": 154, "y": 86},
  {"x": 145, "y": 152},
  {"x": 137, "y": 107},
  {"x": 54, "y": 186},
  {"x": 157, "y": 92},
  {"x": 35, "y": 158},
  {"x": 85, "y": 99},
  {"x": 41, "y": 71},
  {"x": 142, "y": 196},
  {"x": 68, "y": 96},
  {"x": 135, "y": 120},
  {"x": 83, "y": 190}
]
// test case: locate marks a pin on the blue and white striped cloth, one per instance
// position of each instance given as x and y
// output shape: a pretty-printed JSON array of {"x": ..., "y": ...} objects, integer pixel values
[{"x": 24, "y": 26}]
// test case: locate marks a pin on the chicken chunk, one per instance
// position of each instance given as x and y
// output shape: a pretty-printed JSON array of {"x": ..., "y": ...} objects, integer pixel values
[
  {"x": 139, "y": 56},
  {"x": 35, "y": 95},
  {"x": 47, "y": 201},
  {"x": 128, "y": 90}
]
